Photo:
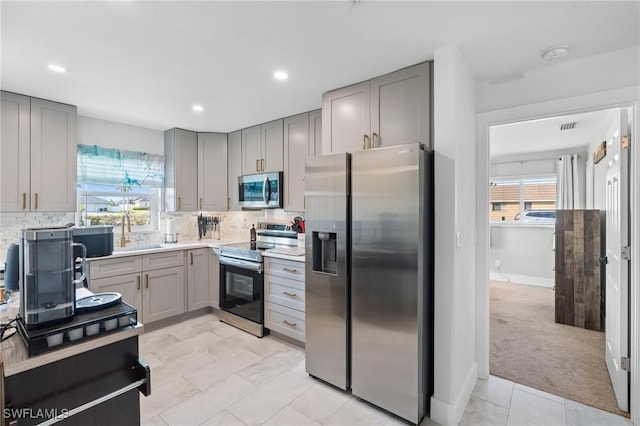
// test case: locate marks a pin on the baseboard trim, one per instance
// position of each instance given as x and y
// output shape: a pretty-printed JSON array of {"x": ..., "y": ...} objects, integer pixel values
[
  {"x": 450, "y": 414},
  {"x": 522, "y": 279}
]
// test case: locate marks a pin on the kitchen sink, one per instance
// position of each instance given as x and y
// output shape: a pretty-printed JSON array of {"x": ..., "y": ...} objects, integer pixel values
[{"x": 136, "y": 248}]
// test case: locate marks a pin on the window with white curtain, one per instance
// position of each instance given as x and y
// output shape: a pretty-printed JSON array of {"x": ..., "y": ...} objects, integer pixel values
[{"x": 115, "y": 182}]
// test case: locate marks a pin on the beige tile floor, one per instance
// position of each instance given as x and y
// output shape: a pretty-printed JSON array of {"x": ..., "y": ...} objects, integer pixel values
[{"x": 204, "y": 372}]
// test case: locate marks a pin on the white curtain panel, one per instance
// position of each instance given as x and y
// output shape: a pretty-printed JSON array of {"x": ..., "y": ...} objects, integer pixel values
[{"x": 568, "y": 184}]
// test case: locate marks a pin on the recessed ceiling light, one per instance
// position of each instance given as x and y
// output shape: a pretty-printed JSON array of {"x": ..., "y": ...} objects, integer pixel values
[
  {"x": 57, "y": 68},
  {"x": 197, "y": 108},
  {"x": 280, "y": 75},
  {"x": 556, "y": 52}
]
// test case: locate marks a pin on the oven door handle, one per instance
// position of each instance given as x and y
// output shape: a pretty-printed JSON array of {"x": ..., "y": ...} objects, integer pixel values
[{"x": 252, "y": 266}]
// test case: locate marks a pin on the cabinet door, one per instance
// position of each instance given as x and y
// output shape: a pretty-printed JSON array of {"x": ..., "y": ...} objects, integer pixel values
[
  {"x": 234, "y": 168},
  {"x": 163, "y": 293},
  {"x": 14, "y": 152},
  {"x": 130, "y": 286},
  {"x": 272, "y": 147},
  {"x": 214, "y": 280},
  {"x": 251, "y": 150},
  {"x": 53, "y": 156},
  {"x": 212, "y": 171},
  {"x": 315, "y": 133},
  {"x": 400, "y": 109},
  {"x": 296, "y": 149},
  {"x": 186, "y": 170},
  {"x": 345, "y": 119},
  {"x": 197, "y": 279}
]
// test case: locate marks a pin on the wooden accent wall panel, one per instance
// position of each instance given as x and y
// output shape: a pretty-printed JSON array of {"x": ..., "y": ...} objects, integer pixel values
[{"x": 577, "y": 277}]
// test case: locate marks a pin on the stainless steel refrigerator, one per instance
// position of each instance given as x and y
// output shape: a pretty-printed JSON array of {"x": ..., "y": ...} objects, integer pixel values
[{"x": 369, "y": 275}]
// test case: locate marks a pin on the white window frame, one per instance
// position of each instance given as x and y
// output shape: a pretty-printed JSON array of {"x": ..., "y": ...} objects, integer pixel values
[
  {"x": 154, "y": 207},
  {"x": 520, "y": 179}
]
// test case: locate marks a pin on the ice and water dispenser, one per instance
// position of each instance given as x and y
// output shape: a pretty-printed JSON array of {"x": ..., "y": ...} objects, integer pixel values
[{"x": 325, "y": 253}]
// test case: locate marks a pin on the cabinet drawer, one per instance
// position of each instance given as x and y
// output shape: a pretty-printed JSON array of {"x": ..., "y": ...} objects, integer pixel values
[
  {"x": 284, "y": 268},
  {"x": 284, "y": 320},
  {"x": 284, "y": 291},
  {"x": 168, "y": 259},
  {"x": 116, "y": 266}
]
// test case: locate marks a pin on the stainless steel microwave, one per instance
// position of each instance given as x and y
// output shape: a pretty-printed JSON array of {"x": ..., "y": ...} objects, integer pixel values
[{"x": 260, "y": 191}]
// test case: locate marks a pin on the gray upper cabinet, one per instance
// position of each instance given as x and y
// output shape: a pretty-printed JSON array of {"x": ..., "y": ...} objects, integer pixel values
[
  {"x": 234, "y": 168},
  {"x": 181, "y": 171},
  {"x": 315, "y": 133},
  {"x": 39, "y": 152},
  {"x": 212, "y": 171},
  {"x": 297, "y": 147},
  {"x": 400, "y": 107},
  {"x": 251, "y": 150},
  {"x": 262, "y": 148},
  {"x": 346, "y": 118},
  {"x": 389, "y": 110}
]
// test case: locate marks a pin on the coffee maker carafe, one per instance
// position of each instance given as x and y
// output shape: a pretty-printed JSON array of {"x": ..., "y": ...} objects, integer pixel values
[{"x": 47, "y": 284}]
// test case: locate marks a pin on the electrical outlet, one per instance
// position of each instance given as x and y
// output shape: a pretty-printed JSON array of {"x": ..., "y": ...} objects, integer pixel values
[{"x": 496, "y": 263}]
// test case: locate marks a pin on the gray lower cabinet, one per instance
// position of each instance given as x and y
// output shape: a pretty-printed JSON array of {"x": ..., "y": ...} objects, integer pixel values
[
  {"x": 284, "y": 295},
  {"x": 38, "y": 155},
  {"x": 389, "y": 110},
  {"x": 214, "y": 279},
  {"x": 197, "y": 279},
  {"x": 163, "y": 294},
  {"x": 152, "y": 283}
]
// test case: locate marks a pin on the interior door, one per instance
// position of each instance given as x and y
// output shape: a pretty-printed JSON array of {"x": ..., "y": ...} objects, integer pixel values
[{"x": 617, "y": 270}]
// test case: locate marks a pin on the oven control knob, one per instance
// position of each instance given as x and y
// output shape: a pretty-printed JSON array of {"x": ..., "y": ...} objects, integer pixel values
[{"x": 287, "y": 228}]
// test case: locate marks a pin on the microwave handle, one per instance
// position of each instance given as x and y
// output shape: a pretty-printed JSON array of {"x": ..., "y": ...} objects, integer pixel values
[{"x": 264, "y": 189}]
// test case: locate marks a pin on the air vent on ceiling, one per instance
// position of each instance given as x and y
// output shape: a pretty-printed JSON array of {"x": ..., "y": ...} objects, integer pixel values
[{"x": 568, "y": 126}]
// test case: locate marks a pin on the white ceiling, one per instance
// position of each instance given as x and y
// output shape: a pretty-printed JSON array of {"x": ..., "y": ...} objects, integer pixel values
[
  {"x": 147, "y": 62},
  {"x": 528, "y": 139}
]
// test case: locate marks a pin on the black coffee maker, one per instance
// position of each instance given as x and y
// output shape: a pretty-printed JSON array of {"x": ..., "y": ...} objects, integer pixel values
[{"x": 47, "y": 284}]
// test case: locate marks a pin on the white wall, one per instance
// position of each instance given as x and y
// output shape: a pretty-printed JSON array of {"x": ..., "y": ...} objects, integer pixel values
[
  {"x": 565, "y": 79},
  {"x": 600, "y": 170},
  {"x": 109, "y": 134},
  {"x": 455, "y": 370},
  {"x": 524, "y": 168},
  {"x": 524, "y": 252}
]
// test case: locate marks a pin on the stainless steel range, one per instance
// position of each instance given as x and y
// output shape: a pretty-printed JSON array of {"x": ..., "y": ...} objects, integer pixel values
[{"x": 241, "y": 276}]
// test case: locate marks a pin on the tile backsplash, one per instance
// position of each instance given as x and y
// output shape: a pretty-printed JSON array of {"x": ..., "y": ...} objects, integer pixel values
[{"x": 234, "y": 226}]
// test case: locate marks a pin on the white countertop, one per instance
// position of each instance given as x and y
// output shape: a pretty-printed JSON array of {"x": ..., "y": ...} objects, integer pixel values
[{"x": 155, "y": 248}]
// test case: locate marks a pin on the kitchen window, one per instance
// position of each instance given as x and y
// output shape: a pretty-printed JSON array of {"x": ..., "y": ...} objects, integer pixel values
[
  {"x": 523, "y": 200},
  {"x": 115, "y": 182}
]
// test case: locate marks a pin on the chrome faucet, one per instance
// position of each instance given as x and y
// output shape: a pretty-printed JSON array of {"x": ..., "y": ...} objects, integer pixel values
[{"x": 123, "y": 238}]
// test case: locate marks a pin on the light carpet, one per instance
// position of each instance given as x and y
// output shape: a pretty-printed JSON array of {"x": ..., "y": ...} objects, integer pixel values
[{"x": 529, "y": 348}]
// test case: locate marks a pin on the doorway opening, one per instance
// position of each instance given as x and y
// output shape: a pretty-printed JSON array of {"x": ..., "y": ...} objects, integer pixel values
[{"x": 547, "y": 324}]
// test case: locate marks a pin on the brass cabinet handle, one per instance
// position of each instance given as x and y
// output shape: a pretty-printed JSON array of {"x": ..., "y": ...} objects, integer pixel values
[
  {"x": 290, "y": 324},
  {"x": 178, "y": 203},
  {"x": 257, "y": 164},
  {"x": 36, "y": 207},
  {"x": 191, "y": 258},
  {"x": 228, "y": 203},
  {"x": 364, "y": 142},
  {"x": 146, "y": 281},
  {"x": 24, "y": 201},
  {"x": 373, "y": 139},
  {"x": 289, "y": 294},
  {"x": 200, "y": 203},
  {"x": 262, "y": 164},
  {"x": 138, "y": 282},
  {"x": 293, "y": 271}
]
